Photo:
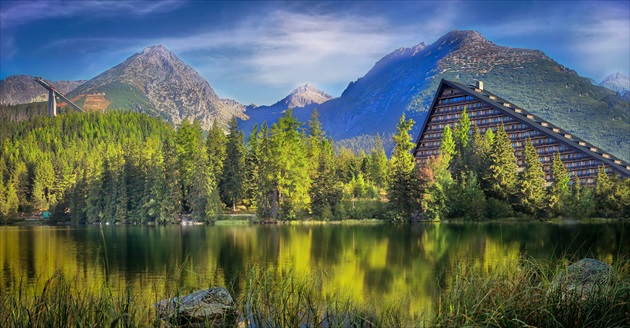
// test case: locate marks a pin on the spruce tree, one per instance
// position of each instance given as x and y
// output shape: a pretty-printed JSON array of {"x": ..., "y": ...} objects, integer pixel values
[
  {"x": 560, "y": 188},
  {"x": 231, "y": 184},
  {"x": 188, "y": 144},
  {"x": 378, "y": 163},
  {"x": 402, "y": 182},
  {"x": 532, "y": 193},
  {"x": 215, "y": 147},
  {"x": 581, "y": 201},
  {"x": 289, "y": 169},
  {"x": 607, "y": 205},
  {"x": 325, "y": 190},
  {"x": 252, "y": 167},
  {"x": 502, "y": 174}
]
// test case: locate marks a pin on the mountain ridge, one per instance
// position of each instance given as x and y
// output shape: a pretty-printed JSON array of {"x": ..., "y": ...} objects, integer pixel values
[
  {"x": 156, "y": 81},
  {"x": 22, "y": 89}
]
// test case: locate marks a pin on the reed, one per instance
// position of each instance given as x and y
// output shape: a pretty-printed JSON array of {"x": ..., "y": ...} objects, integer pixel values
[{"x": 527, "y": 296}]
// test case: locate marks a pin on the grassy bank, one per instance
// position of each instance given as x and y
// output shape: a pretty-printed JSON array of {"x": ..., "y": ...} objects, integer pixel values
[{"x": 512, "y": 295}]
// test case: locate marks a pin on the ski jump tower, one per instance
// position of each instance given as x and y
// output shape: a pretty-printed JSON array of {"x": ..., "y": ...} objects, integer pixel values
[{"x": 52, "y": 101}]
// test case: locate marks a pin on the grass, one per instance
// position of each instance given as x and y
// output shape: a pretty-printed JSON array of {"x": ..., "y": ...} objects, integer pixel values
[
  {"x": 512, "y": 295},
  {"x": 527, "y": 296}
]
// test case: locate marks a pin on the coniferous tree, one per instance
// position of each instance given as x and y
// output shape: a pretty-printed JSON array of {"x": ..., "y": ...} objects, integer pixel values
[
  {"x": 326, "y": 190},
  {"x": 289, "y": 169},
  {"x": 252, "y": 167},
  {"x": 315, "y": 141},
  {"x": 461, "y": 158},
  {"x": 581, "y": 202},
  {"x": 266, "y": 200},
  {"x": 378, "y": 162},
  {"x": 231, "y": 183},
  {"x": 607, "y": 205},
  {"x": 171, "y": 200},
  {"x": 560, "y": 188},
  {"x": 502, "y": 174},
  {"x": 215, "y": 147},
  {"x": 188, "y": 144},
  {"x": 466, "y": 199},
  {"x": 403, "y": 183},
  {"x": 533, "y": 194}
]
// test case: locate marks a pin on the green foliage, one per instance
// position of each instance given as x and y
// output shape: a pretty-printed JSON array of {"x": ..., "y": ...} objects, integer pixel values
[
  {"x": 532, "y": 193},
  {"x": 326, "y": 190},
  {"x": 560, "y": 188},
  {"x": 378, "y": 165},
  {"x": 402, "y": 181},
  {"x": 581, "y": 202},
  {"x": 231, "y": 185},
  {"x": 466, "y": 198},
  {"x": 502, "y": 174},
  {"x": 287, "y": 181}
]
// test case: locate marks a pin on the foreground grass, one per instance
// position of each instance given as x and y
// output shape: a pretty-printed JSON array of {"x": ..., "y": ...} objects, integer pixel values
[
  {"x": 520, "y": 295},
  {"x": 527, "y": 295}
]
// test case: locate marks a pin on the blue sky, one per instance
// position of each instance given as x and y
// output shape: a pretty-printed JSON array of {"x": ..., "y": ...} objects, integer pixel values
[{"x": 258, "y": 51}]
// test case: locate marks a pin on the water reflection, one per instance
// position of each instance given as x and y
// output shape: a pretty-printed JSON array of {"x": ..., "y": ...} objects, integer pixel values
[{"x": 381, "y": 262}]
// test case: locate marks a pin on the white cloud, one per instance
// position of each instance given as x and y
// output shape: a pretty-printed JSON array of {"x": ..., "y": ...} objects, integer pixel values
[{"x": 24, "y": 12}]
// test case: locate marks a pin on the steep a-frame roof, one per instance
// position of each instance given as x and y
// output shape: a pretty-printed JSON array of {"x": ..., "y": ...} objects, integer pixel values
[{"x": 534, "y": 121}]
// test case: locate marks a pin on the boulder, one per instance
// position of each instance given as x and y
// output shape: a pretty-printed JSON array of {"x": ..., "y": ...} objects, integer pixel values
[
  {"x": 583, "y": 279},
  {"x": 212, "y": 307}
]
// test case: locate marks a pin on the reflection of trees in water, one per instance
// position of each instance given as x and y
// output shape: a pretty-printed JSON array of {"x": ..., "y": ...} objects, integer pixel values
[{"x": 380, "y": 261}]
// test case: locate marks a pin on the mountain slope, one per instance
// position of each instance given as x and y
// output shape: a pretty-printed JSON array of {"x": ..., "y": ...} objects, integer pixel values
[
  {"x": 155, "y": 81},
  {"x": 22, "y": 89},
  {"x": 303, "y": 100},
  {"x": 406, "y": 79},
  {"x": 619, "y": 82}
]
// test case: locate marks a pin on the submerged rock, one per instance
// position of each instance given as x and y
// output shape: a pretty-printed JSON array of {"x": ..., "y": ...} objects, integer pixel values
[
  {"x": 212, "y": 307},
  {"x": 583, "y": 279}
]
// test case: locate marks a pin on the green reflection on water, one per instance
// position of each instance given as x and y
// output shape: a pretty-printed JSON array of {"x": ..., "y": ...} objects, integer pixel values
[{"x": 383, "y": 263}]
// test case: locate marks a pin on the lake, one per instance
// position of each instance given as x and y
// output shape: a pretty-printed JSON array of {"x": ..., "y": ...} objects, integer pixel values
[{"x": 371, "y": 262}]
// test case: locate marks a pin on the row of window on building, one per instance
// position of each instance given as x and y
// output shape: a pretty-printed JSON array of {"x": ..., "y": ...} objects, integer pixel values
[{"x": 455, "y": 100}]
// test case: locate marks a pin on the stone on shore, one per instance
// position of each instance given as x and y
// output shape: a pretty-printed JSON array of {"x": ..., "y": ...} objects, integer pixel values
[
  {"x": 212, "y": 307},
  {"x": 584, "y": 279}
]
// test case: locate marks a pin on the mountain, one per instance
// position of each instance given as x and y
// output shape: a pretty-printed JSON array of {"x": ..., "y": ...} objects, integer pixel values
[
  {"x": 22, "y": 89},
  {"x": 303, "y": 100},
  {"x": 155, "y": 81},
  {"x": 405, "y": 81},
  {"x": 619, "y": 82}
]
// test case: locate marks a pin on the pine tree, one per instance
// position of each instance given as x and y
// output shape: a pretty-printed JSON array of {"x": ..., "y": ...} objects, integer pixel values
[
  {"x": 289, "y": 169},
  {"x": 252, "y": 167},
  {"x": 188, "y": 144},
  {"x": 231, "y": 183},
  {"x": 266, "y": 200},
  {"x": 581, "y": 201},
  {"x": 607, "y": 205},
  {"x": 466, "y": 198},
  {"x": 402, "y": 182},
  {"x": 461, "y": 158},
  {"x": 560, "y": 188},
  {"x": 215, "y": 147},
  {"x": 378, "y": 162},
  {"x": 315, "y": 141},
  {"x": 533, "y": 193},
  {"x": 502, "y": 174},
  {"x": 325, "y": 190},
  {"x": 172, "y": 198}
]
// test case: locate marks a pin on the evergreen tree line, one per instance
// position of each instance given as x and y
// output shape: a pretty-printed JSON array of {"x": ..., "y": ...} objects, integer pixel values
[
  {"x": 476, "y": 176},
  {"x": 131, "y": 168},
  {"x": 127, "y": 167}
]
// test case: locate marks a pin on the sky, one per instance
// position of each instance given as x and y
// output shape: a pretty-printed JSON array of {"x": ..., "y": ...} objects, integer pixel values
[{"x": 259, "y": 51}]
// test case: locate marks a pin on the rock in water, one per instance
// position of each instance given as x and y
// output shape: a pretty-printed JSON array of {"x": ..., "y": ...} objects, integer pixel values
[
  {"x": 212, "y": 307},
  {"x": 583, "y": 279}
]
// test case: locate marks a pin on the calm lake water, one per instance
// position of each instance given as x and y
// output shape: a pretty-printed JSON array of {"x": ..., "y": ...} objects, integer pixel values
[{"x": 382, "y": 262}]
